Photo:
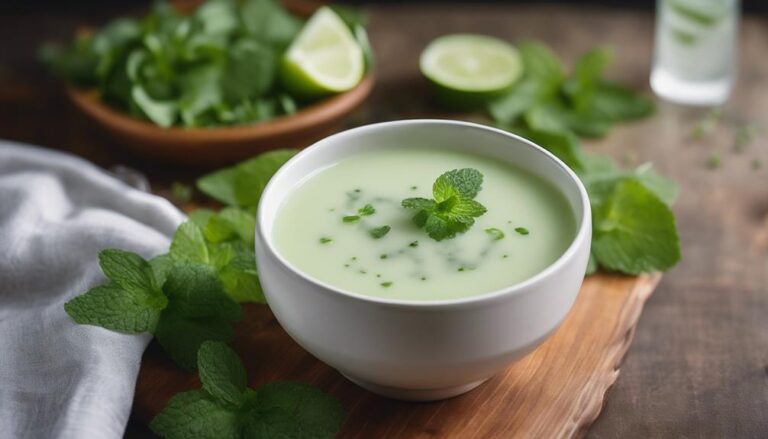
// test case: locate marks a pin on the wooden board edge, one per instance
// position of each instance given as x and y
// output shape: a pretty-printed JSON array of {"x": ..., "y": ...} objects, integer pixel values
[{"x": 593, "y": 401}]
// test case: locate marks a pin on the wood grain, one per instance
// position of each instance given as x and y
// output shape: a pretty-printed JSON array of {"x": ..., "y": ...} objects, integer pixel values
[{"x": 556, "y": 391}]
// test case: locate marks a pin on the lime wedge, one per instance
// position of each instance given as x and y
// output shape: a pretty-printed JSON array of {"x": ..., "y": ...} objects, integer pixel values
[
  {"x": 323, "y": 59},
  {"x": 467, "y": 70}
]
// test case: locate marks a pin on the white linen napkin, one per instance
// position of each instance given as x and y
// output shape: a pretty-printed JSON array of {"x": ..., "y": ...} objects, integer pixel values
[{"x": 59, "y": 379}]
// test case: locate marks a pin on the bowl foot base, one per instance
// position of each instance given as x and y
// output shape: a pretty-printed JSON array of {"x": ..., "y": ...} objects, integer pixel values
[{"x": 416, "y": 394}]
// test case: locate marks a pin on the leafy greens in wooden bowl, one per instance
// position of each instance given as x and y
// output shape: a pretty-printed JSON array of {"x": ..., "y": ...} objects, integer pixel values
[{"x": 226, "y": 81}]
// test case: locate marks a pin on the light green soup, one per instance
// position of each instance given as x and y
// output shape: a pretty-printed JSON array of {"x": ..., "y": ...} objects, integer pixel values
[{"x": 535, "y": 219}]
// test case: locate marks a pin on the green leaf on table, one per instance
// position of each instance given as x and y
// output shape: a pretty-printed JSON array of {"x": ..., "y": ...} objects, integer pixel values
[
  {"x": 199, "y": 310},
  {"x": 242, "y": 185},
  {"x": 293, "y": 410},
  {"x": 619, "y": 104},
  {"x": 189, "y": 244},
  {"x": 196, "y": 414},
  {"x": 226, "y": 408},
  {"x": 634, "y": 231},
  {"x": 586, "y": 76},
  {"x": 110, "y": 307},
  {"x": 221, "y": 373}
]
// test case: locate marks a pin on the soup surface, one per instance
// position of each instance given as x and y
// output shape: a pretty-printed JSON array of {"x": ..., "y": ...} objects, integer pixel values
[{"x": 332, "y": 227}]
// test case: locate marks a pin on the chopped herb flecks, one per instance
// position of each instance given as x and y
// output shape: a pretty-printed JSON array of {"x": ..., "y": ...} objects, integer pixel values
[
  {"x": 522, "y": 230},
  {"x": 383, "y": 256},
  {"x": 495, "y": 233},
  {"x": 414, "y": 244},
  {"x": 386, "y": 284},
  {"x": 325, "y": 240},
  {"x": 366, "y": 210},
  {"x": 379, "y": 232},
  {"x": 351, "y": 219}
]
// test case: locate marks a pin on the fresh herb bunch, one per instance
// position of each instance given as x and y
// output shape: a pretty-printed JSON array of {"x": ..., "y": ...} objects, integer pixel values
[
  {"x": 226, "y": 408},
  {"x": 190, "y": 294},
  {"x": 633, "y": 226},
  {"x": 217, "y": 66},
  {"x": 453, "y": 208}
]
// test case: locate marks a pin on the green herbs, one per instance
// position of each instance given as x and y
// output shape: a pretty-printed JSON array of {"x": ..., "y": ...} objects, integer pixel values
[
  {"x": 325, "y": 240},
  {"x": 379, "y": 232},
  {"x": 219, "y": 65},
  {"x": 242, "y": 185},
  {"x": 552, "y": 109},
  {"x": 495, "y": 234},
  {"x": 366, "y": 210},
  {"x": 453, "y": 209},
  {"x": 522, "y": 230},
  {"x": 225, "y": 407},
  {"x": 182, "y": 304},
  {"x": 584, "y": 103}
]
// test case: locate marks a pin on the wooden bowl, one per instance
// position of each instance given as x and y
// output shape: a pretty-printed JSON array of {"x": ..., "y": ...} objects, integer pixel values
[{"x": 208, "y": 147}]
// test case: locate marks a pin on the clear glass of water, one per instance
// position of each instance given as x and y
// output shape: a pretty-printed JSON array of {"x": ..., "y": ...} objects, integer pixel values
[{"x": 695, "y": 55}]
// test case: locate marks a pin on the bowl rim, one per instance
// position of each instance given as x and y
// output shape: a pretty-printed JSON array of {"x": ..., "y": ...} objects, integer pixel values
[{"x": 583, "y": 233}]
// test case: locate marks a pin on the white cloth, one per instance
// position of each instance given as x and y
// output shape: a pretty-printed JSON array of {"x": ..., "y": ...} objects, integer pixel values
[{"x": 59, "y": 379}]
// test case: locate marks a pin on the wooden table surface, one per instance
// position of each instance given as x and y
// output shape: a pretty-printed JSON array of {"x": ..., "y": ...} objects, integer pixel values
[{"x": 699, "y": 363}]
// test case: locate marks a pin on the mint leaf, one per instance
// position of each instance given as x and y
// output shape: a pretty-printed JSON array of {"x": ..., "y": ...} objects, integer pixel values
[
  {"x": 587, "y": 73},
  {"x": 130, "y": 272},
  {"x": 293, "y": 410},
  {"x": 564, "y": 145},
  {"x": 196, "y": 415},
  {"x": 189, "y": 245},
  {"x": 351, "y": 218},
  {"x": 453, "y": 210},
  {"x": 224, "y": 407},
  {"x": 465, "y": 183},
  {"x": 220, "y": 185},
  {"x": 199, "y": 310},
  {"x": 110, "y": 307},
  {"x": 230, "y": 223},
  {"x": 195, "y": 291},
  {"x": 181, "y": 335},
  {"x": 618, "y": 103},
  {"x": 379, "y": 232},
  {"x": 634, "y": 231},
  {"x": 221, "y": 373},
  {"x": 253, "y": 175}
]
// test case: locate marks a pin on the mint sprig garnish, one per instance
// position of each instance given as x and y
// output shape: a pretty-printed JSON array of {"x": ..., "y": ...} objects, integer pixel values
[
  {"x": 452, "y": 210},
  {"x": 186, "y": 308},
  {"x": 226, "y": 408}
]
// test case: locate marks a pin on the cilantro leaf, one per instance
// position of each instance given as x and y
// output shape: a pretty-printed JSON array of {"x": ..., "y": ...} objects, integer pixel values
[
  {"x": 635, "y": 231},
  {"x": 110, "y": 307},
  {"x": 221, "y": 373},
  {"x": 453, "y": 209}
]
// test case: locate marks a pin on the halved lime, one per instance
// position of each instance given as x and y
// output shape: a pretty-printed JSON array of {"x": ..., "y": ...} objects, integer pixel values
[
  {"x": 324, "y": 58},
  {"x": 467, "y": 69}
]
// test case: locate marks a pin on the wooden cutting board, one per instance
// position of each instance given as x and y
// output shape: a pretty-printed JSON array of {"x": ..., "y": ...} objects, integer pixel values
[{"x": 556, "y": 391}]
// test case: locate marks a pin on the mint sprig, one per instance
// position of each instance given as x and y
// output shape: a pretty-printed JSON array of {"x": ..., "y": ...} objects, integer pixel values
[
  {"x": 187, "y": 308},
  {"x": 226, "y": 408},
  {"x": 452, "y": 210},
  {"x": 634, "y": 230}
]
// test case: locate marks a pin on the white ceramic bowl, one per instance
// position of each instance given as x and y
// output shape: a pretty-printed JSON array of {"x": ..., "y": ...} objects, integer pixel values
[{"x": 421, "y": 350}]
